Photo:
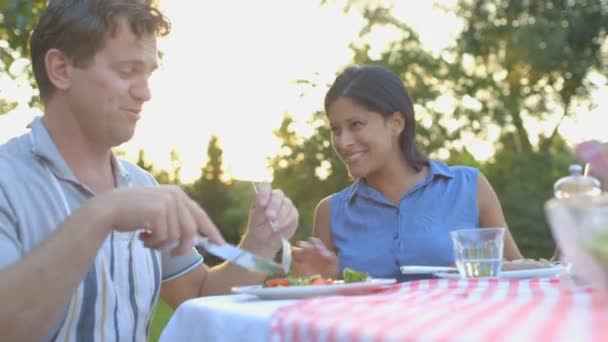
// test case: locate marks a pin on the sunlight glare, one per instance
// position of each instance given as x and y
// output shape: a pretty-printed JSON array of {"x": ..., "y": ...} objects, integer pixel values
[{"x": 230, "y": 68}]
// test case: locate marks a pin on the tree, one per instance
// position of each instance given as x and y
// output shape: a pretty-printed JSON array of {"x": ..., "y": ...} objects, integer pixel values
[
  {"x": 16, "y": 23},
  {"x": 503, "y": 81},
  {"x": 538, "y": 55},
  {"x": 161, "y": 176},
  {"x": 176, "y": 167},
  {"x": 17, "y": 20},
  {"x": 226, "y": 202},
  {"x": 141, "y": 162},
  {"x": 427, "y": 77},
  {"x": 307, "y": 169},
  {"x": 515, "y": 61},
  {"x": 212, "y": 193}
]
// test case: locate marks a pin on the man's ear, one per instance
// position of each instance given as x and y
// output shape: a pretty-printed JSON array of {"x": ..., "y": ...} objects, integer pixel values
[
  {"x": 397, "y": 122},
  {"x": 58, "y": 69}
]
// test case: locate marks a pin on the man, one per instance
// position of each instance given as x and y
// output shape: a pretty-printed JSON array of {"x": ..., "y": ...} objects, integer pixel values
[
  {"x": 87, "y": 242},
  {"x": 594, "y": 155}
]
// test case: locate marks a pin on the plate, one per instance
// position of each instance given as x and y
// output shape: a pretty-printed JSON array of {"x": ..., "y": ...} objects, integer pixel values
[
  {"x": 415, "y": 269},
  {"x": 296, "y": 292},
  {"x": 546, "y": 272}
]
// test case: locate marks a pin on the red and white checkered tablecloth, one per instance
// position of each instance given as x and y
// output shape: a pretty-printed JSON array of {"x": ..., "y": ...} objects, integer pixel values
[{"x": 450, "y": 309}]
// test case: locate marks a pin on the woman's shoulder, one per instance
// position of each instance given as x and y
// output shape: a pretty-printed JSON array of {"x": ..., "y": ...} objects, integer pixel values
[
  {"x": 455, "y": 171},
  {"x": 344, "y": 194},
  {"x": 339, "y": 198}
]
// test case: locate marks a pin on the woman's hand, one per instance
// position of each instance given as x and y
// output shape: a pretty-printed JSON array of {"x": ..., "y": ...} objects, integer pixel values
[
  {"x": 313, "y": 257},
  {"x": 272, "y": 217}
]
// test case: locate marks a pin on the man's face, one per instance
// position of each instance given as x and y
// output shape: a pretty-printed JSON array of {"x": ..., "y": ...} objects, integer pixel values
[{"x": 106, "y": 96}]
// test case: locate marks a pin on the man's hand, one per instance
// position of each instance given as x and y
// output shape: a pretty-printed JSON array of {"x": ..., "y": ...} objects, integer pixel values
[
  {"x": 165, "y": 212},
  {"x": 594, "y": 153},
  {"x": 262, "y": 236}
]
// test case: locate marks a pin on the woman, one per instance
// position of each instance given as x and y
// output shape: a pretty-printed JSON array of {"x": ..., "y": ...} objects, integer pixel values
[{"x": 402, "y": 206}]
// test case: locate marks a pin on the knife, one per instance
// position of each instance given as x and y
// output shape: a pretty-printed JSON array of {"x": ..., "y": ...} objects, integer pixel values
[{"x": 241, "y": 257}]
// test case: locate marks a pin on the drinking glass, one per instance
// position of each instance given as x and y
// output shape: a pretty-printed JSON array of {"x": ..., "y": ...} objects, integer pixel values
[{"x": 479, "y": 251}]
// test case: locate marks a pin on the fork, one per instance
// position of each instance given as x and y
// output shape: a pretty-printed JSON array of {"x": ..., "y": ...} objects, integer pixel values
[{"x": 286, "y": 246}]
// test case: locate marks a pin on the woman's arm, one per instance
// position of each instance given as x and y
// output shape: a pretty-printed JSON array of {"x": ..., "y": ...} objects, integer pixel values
[
  {"x": 491, "y": 215},
  {"x": 322, "y": 225},
  {"x": 317, "y": 255}
]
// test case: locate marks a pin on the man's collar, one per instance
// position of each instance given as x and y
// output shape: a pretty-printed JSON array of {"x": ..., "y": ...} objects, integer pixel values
[
  {"x": 121, "y": 174},
  {"x": 44, "y": 147}
]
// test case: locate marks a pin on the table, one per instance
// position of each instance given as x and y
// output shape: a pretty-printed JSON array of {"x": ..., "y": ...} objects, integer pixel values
[
  {"x": 222, "y": 318},
  {"x": 435, "y": 309}
]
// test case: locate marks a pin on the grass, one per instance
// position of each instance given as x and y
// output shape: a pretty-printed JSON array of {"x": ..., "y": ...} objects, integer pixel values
[{"x": 161, "y": 317}]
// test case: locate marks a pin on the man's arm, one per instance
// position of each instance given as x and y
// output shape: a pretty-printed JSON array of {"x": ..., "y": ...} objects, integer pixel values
[
  {"x": 218, "y": 280},
  {"x": 259, "y": 239},
  {"x": 36, "y": 289},
  {"x": 204, "y": 281}
]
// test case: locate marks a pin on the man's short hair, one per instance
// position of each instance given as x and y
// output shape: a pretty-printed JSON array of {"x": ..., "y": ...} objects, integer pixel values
[{"x": 79, "y": 29}]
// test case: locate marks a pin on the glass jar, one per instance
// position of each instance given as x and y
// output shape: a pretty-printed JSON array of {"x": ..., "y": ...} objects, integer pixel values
[{"x": 576, "y": 184}]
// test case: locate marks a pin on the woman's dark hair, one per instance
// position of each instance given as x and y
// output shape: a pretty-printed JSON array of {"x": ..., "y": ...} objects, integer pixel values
[
  {"x": 79, "y": 28},
  {"x": 379, "y": 90}
]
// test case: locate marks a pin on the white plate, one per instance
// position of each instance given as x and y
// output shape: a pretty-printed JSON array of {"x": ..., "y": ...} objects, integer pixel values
[
  {"x": 295, "y": 292},
  {"x": 415, "y": 269},
  {"x": 547, "y": 272}
]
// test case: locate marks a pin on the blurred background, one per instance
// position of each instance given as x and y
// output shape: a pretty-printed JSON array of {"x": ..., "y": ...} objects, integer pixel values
[{"x": 508, "y": 86}]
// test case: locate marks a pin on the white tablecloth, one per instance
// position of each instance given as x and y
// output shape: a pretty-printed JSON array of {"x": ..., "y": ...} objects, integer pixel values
[
  {"x": 222, "y": 318},
  {"x": 429, "y": 310}
]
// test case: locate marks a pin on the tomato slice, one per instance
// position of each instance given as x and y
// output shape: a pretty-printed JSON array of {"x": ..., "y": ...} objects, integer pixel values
[
  {"x": 322, "y": 281},
  {"x": 275, "y": 282}
]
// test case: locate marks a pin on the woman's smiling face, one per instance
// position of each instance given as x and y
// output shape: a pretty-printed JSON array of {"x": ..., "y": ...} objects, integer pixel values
[{"x": 364, "y": 139}]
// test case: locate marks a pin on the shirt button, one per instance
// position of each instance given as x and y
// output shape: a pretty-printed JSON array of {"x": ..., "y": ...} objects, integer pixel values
[{"x": 396, "y": 236}]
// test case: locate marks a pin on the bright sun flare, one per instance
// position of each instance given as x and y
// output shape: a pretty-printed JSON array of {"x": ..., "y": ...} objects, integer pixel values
[{"x": 228, "y": 69}]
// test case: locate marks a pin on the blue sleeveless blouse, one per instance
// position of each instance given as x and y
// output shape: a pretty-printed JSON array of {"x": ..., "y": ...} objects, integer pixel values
[{"x": 373, "y": 235}]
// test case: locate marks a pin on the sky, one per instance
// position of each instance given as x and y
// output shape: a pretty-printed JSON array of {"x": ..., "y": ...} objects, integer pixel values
[{"x": 228, "y": 69}]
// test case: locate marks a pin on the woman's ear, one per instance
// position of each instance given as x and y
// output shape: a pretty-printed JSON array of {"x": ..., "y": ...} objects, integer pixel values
[
  {"x": 58, "y": 67},
  {"x": 397, "y": 123}
]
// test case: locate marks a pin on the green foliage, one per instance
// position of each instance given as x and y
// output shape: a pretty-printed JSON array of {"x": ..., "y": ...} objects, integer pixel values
[
  {"x": 535, "y": 57},
  {"x": 235, "y": 216},
  {"x": 524, "y": 182},
  {"x": 161, "y": 176},
  {"x": 162, "y": 315},
  {"x": 212, "y": 193},
  {"x": 307, "y": 169},
  {"x": 496, "y": 76},
  {"x": 535, "y": 54},
  {"x": 224, "y": 201},
  {"x": 6, "y": 106},
  {"x": 426, "y": 76},
  {"x": 514, "y": 60},
  {"x": 17, "y": 20}
]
